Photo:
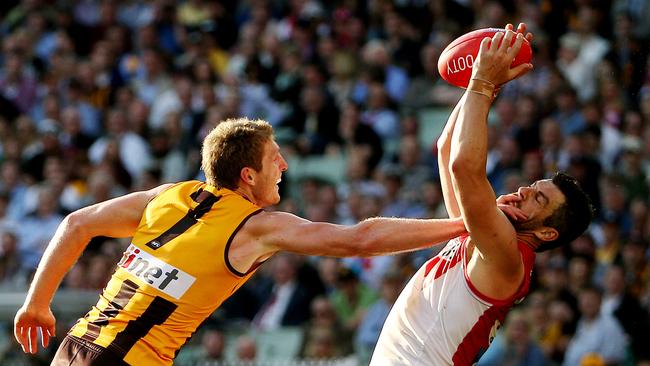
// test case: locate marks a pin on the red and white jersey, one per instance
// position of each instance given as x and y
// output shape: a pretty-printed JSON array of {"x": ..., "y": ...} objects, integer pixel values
[{"x": 440, "y": 318}]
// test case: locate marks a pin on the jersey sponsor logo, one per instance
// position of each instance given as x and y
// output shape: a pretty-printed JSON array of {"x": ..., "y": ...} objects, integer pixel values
[{"x": 163, "y": 276}]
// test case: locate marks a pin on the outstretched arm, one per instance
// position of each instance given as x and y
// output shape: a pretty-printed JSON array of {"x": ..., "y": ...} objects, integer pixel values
[
  {"x": 276, "y": 231},
  {"x": 116, "y": 218},
  {"x": 444, "y": 153},
  {"x": 489, "y": 228}
]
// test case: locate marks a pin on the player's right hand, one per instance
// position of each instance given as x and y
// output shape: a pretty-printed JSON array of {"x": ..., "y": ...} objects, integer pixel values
[
  {"x": 507, "y": 204},
  {"x": 521, "y": 29},
  {"x": 496, "y": 55},
  {"x": 28, "y": 322}
]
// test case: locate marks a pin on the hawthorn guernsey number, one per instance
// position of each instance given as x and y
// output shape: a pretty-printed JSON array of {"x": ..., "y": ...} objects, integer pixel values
[{"x": 460, "y": 64}]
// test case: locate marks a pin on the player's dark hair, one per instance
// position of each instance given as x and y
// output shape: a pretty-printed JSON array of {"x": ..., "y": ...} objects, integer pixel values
[
  {"x": 573, "y": 217},
  {"x": 231, "y": 146}
]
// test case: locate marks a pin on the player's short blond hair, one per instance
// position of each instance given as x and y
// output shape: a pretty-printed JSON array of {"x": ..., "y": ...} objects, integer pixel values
[{"x": 232, "y": 145}]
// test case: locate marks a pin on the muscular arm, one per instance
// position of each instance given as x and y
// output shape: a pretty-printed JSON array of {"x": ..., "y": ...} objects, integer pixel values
[
  {"x": 117, "y": 218},
  {"x": 275, "y": 231},
  {"x": 444, "y": 153},
  {"x": 489, "y": 228}
]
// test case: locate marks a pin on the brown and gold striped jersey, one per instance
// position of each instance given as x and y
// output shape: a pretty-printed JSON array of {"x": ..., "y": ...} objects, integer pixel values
[{"x": 172, "y": 276}]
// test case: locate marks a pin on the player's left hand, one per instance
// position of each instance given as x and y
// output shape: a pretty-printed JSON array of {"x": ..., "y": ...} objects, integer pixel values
[{"x": 28, "y": 322}]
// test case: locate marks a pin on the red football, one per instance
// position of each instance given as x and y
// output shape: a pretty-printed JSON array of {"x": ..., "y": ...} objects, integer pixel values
[{"x": 456, "y": 60}]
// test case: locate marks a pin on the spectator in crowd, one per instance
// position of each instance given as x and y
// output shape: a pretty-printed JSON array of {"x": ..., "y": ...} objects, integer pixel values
[
  {"x": 566, "y": 111},
  {"x": 37, "y": 228},
  {"x": 211, "y": 350},
  {"x": 324, "y": 320},
  {"x": 379, "y": 115},
  {"x": 321, "y": 345},
  {"x": 428, "y": 89},
  {"x": 626, "y": 308},
  {"x": 9, "y": 260},
  {"x": 597, "y": 332},
  {"x": 151, "y": 79},
  {"x": 328, "y": 272},
  {"x": 375, "y": 55},
  {"x": 636, "y": 264},
  {"x": 351, "y": 298},
  {"x": 284, "y": 299},
  {"x": 133, "y": 151},
  {"x": 246, "y": 349},
  {"x": 74, "y": 141},
  {"x": 394, "y": 204},
  {"x": 581, "y": 51},
  {"x": 17, "y": 84},
  {"x": 6, "y": 222},
  {"x": 13, "y": 185},
  {"x": 368, "y": 333},
  {"x": 415, "y": 170},
  {"x": 359, "y": 136},
  {"x": 315, "y": 122},
  {"x": 88, "y": 115}
]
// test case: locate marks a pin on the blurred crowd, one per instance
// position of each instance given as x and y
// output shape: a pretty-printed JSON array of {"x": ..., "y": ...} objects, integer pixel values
[{"x": 99, "y": 98}]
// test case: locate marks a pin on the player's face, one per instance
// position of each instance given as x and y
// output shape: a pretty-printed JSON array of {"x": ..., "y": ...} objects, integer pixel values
[
  {"x": 266, "y": 189},
  {"x": 538, "y": 201}
]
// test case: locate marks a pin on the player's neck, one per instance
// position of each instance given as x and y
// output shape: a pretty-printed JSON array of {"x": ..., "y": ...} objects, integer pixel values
[
  {"x": 247, "y": 193},
  {"x": 529, "y": 239}
]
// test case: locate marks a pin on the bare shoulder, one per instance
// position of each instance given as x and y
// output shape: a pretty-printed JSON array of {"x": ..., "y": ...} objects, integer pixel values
[
  {"x": 275, "y": 231},
  {"x": 153, "y": 192},
  {"x": 261, "y": 236},
  {"x": 270, "y": 221},
  {"x": 161, "y": 188}
]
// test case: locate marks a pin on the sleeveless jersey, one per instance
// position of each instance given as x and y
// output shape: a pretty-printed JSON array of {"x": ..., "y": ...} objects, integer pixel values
[
  {"x": 172, "y": 276},
  {"x": 440, "y": 318}
]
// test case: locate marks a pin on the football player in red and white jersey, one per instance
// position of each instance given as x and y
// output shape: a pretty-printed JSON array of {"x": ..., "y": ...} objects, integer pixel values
[{"x": 450, "y": 310}]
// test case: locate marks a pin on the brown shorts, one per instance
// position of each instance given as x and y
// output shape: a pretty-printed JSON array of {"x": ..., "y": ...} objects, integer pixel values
[{"x": 74, "y": 351}]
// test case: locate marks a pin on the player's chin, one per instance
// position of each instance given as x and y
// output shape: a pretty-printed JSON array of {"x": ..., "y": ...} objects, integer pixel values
[
  {"x": 523, "y": 225},
  {"x": 519, "y": 224}
]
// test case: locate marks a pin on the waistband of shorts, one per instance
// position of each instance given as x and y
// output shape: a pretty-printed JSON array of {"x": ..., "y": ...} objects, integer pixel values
[{"x": 84, "y": 343}]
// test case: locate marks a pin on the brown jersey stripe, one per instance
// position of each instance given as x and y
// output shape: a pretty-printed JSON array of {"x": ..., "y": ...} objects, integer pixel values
[
  {"x": 205, "y": 199},
  {"x": 155, "y": 314},
  {"x": 127, "y": 290}
]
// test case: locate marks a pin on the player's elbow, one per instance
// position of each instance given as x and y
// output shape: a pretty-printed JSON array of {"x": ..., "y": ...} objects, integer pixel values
[
  {"x": 462, "y": 166},
  {"x": 75, "y": 224},
  {"x": 442, "y": 143},
  {"x": 457, "y": 166}
]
